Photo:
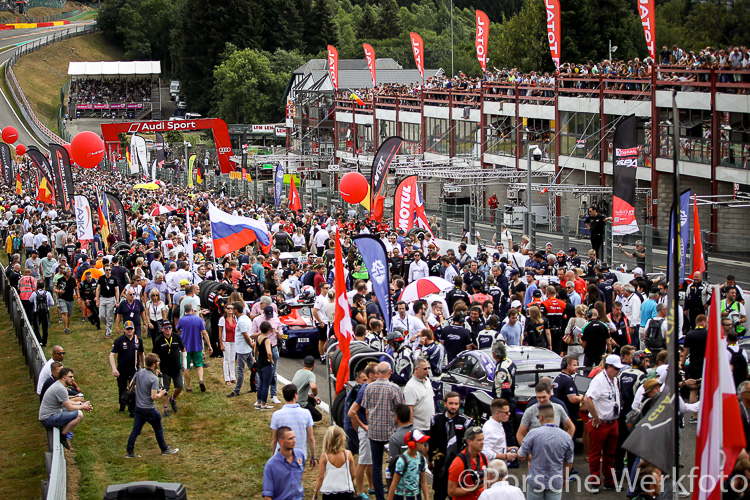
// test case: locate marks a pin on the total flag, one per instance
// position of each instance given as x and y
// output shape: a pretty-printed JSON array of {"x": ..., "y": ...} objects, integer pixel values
[
  {"x": 482, "y": 38},
  {"x": 646, "y": 11},
  {"x": 370, "y": 58},
  {"x": 380, "y": 164},
  {"x": 294, "y": 201},
  {"x": 417, "y": 46},
  {"x": 357, "y": 99},
  {"x": 342, "y": 320},
  {"x": 19, "y": 185},
  {"x": 375, "y": 258},
  {"x": 699, "y": 260},
  {"x": 333, "y": 66},
  {"x": 232, "y": 232},
  {"x": 721, "y": 435},
  {"x": 553, "y": 29},
  {"x": 191, "y": 166}
]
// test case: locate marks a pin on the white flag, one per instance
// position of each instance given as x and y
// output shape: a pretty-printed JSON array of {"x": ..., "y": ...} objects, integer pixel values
[{"x": 84, "y": 218}]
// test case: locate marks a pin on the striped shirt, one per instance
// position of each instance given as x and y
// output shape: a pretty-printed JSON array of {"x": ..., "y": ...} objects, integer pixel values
[{"x": 379, "y": 399}]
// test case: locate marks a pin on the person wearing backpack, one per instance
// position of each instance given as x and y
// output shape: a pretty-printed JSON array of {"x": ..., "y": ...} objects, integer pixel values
[
  {"x": 656, "y": 330},
  {"x": 409, "y": 476},
  {"x": 41, "y": 301}
]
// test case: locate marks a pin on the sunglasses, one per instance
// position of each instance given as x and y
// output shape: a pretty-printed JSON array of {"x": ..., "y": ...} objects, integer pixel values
[{"x": 62, "y": 353}]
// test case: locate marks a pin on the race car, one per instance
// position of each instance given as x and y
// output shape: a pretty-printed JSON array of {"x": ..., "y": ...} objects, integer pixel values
[{"x": 298, "y": 333}]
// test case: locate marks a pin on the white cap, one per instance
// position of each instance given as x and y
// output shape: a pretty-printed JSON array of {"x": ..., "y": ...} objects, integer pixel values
[
  {"x": 614, "y": 360},
  {"x": 638, "y": 270},
  {"x": 515, "y": 304}
]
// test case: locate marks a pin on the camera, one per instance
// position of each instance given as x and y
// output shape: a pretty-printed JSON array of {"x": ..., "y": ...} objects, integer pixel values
[
  {"x": 477, "y": 476},
  {"x": 536, "y": 153}
]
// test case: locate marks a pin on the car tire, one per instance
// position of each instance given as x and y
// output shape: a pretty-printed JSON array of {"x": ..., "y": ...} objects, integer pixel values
[{"x": 338, "y": 408}]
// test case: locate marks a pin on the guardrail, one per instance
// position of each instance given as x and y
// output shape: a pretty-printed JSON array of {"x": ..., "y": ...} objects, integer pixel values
[
  {"x": 38, "y": 128},
  {"x": 55, "y": 487}
]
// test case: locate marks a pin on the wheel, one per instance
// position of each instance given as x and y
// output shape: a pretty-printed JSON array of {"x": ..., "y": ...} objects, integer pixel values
[{"x": 338, "y": 407}]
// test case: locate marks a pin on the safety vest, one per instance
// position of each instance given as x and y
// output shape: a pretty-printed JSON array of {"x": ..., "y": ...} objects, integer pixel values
[{"x": 26, "y": 286}]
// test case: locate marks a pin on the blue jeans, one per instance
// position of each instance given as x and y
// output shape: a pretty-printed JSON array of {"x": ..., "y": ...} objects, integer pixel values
[
  {"x": 274, "y": 383},
  {"x": 243, "y": 360},
  {"x": 376, "y": 449},
  {"x": 542, "y": 495},
  {"x": 265, "y": 375},
  {"x": 153, "y": 417}
]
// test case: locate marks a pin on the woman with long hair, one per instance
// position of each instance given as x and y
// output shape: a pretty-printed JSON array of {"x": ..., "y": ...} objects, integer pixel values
[
  {"x": 573, "y": 331},
  {"x": 335, "y": 474},
  {"x": 298, "y": 239},
  {"x": 537, "y": 329},
  {"x": 264, "y": 365},
  {"x": 227, "y": 323},
  {"x": 156, "y": 314}
]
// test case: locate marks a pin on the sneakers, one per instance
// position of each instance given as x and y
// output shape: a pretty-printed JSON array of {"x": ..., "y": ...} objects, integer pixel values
[
  {"x": 67, "y": 330},
  {"x": 64, "y": 442},
  {"x": 203, "y": 386},
  {"x": 275, "y": 400},
  {"x": 132, "y": 455},
  {"x": 692, "y": 420},
  {"x": 233, "y": 394},
  {"x": 170, "y": 451},
  {"x": 265, "y": 406},
  {"x": 167, "y": 413},
  {"x": 174, "y": 404},
  {"x": 258, "y": 406}
]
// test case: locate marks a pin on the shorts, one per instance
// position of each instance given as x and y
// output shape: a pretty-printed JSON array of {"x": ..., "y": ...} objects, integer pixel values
[
  {"x": 60, "y": 419},
  {"x": 66, "y": 306},
  {"x": 195, "y": 359},
  {"x": 365, "y": 456},
  {"x": 166, "y": 381}
]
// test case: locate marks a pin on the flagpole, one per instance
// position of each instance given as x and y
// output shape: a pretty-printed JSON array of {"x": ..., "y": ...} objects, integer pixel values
[{"x": 673, "y": 280}]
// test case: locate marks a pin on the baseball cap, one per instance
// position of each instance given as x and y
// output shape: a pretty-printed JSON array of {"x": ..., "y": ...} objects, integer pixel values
[
  {"x": 513, "y": 272},
  {"x": 515, "y": 304},
  {"x": 416, "y": 436},
  {"x": 184, "y": 282},
  {"x": 638, "y": 270},
  {"x": 537, "y": 293},
  {"x": 166, "y": 325},
  {"x": 614, "y": 360},
  {"x": 268, "y": 311},
  {"x": 129, "y": 324},
  {"x": 309, "y": 361},
  {"x": 572, "y": 249}
]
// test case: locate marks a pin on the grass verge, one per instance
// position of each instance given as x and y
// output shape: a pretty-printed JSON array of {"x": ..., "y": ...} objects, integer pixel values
[{"x": 92, "y": 14}]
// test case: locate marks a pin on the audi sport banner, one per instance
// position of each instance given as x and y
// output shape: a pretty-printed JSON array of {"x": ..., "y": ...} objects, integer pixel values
[
  {"x": 84, "y": 218},
  {"x": 278, "y": 184},
  {"x": 553, "y": 29},
  {"x": 6, "y": 164},
  {"x": 43, "y": 166},
  {"x": 333, "y": 66},
  {"x": 375, "y": 258},
  {"x": 160, "y": 150},
  {"x": 648, "y": 20},
  {"x": 482, "y": 38},
  {"x": 370, "y": 57},
  {"x": 117, "y": 219},
  {"x": 383, "y": 158},
  {"x": 63, "y": 176},
  {"x": 417, "y": 46},
  {"x": 405, "y": 204},
  {"x": 623, "y": 184}
]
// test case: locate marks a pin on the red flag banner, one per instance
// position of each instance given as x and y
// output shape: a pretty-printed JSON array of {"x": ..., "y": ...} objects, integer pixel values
[
  {"x": 699, "y": 260},
  {"x": 342, "y": 320},
  {"x": 370, "y": 57},
  {"x": 405, "y": 204},
  {"x": 482, "y": 38},
  {"x": 646, "y": 11},
  {"x": 294, "y": 201},
  {"x": 333, "y": 66},
  {"x": 553, "y": 29},
  {"x": 417, "y": 46}
]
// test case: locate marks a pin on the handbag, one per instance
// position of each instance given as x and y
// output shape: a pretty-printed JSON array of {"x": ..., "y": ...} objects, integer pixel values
[{"x": 129, "y": 392}]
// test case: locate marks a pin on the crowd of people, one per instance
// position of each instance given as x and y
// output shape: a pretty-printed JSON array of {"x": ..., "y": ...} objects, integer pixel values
[
  {"x": 147, "y": 298},
  {"x": 109, "y": 90}
]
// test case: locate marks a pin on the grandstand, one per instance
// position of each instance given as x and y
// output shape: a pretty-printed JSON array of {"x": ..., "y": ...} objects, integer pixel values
[{"x": 114, "y": 89}]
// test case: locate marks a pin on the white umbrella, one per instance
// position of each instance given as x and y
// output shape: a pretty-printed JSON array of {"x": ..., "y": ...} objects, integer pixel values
[
  {"x": 161, "y": 210},
  {"x": 424, "y": 287}
]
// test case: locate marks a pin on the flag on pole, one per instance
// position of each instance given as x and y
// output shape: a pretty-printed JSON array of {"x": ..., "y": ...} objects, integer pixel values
[
  {"x": 342, "y": 322},
  {"x": 19, "y": 185},
  {"x": 716, "y": 450},
  {"x": 43, "y": 190},
  {"x": 699, "y": 261},
  {"x": 357, "y": 99},
  {"x": 103, "y": 213},
  {"x": 232, "y": 232},
  {"x": 294, "y": 201}
]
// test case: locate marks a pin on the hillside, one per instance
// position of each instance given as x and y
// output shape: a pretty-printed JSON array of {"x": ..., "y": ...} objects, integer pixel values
[
  {"x": 37, "y": 12},
  {"x": 42, "y": 73}
]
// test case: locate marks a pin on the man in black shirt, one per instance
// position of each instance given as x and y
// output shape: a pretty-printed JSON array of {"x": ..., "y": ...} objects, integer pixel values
[
  {"x": 169, "y": 347},
  {"x": 595, "y": 222},
  {"x": 396, "y": 262},
  {"x": 472, "y": 275},
  {"x": 249, "y": 285},
  {"x": 564, "y": 387},
  {"x": 107, "y": 298},
  {"x": 595, "y": 339},
  {"x": 66, "y": 288},
  {"x": 455, "y": 337},
  {"x": 130, "y": 309},
  {"x": 119, "y": 273},
  {"x": 457, "y": 294},
  {"x": 87, "y": 290},
  {"x": 127, "y": 351}
]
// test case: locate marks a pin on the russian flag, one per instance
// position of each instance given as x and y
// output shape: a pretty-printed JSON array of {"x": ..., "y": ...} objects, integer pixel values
[{"x": 232, "y": 232}]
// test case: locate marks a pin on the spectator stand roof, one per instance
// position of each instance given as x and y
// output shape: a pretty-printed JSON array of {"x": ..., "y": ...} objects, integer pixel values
[{"x": 114, "y": 68}]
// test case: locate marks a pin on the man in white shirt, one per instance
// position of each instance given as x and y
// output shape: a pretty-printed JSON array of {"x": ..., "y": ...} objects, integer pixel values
[
  {"x": 412, "y": 325},
  {"x": 243, "y": 345},
  {"x": 418, "y": 269},
  {"x": 500, "y": 489},
  {"x": 319, "y": 240},
  {"x": 419, "y": 396},
  {"x": 495, "y": 444},
  {"x": 632, "y": 305},
  {"x": 321, "y": 319}
]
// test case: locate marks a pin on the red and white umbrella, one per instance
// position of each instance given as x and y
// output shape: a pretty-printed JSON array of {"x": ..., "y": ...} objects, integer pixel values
[
  {"x": 162, "y": 210},
  {"x": 424, "y": 287}
]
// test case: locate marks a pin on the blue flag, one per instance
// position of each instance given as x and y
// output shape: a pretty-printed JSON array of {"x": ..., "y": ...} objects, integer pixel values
[
  {"x": 278, "y": 184},
  {"x": 684, "y": 231},
  {"x": 376, "y": 261}
]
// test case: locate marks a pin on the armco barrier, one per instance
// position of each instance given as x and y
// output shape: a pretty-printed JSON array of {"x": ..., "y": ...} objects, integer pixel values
[
  {"x": 38, "y": 128},
  {"x": 55, "y": 488}
]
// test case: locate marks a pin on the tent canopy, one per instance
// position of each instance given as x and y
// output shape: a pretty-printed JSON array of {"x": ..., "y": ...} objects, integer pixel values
[{"x": 114, "y": 68}]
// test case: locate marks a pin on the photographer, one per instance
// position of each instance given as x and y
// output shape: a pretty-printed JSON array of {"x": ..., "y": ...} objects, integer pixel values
[{"x": 466, "y": 473}]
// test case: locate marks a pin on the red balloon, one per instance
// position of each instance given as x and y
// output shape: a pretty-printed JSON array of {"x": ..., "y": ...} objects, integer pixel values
[
  {"x": 10, "y": 135},
  {"x": 353, "y": 187},
  {"x": 87, "y": 149},
  {"x": 20, "y": 150}
]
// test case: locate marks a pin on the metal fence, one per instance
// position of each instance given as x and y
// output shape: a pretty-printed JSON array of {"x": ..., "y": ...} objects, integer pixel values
[
  {"x": 37, "y": 127},
  {"x": 55, "y": 487}
]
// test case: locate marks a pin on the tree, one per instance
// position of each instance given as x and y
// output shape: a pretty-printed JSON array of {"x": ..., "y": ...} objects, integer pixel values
[
  {"x": 388, "y": 22},
  {"x": 366, "y": 28},
  {"x": 321, "y": 27}
]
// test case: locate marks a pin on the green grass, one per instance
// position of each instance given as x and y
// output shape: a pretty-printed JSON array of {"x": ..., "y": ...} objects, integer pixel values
[{"x": 83, "y": 16}]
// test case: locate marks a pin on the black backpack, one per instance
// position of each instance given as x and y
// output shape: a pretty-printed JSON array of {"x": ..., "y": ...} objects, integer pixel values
[
  {"x": 41, "y": 302},
  {"x": 739, "y": 366},
  {"x": 654, "y": 337}
]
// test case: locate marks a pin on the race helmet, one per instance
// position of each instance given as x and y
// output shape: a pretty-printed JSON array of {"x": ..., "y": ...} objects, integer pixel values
[{"x": 307, "y": 293}]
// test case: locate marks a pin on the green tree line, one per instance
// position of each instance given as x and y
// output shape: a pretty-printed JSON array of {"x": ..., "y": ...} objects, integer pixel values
[{"x": 235, "y": 58}]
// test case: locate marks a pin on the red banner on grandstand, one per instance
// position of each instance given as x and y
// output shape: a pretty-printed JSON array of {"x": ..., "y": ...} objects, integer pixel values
[
  {"x": 482, "y": 38},
  {"x": 553, "y": 29},
  {"x": 648, "y": 20},
  {"x": 625, "y": 144},
  {"x": 333, "y": 66},
  {"x": 370, "y": 57},
  {"x": 380, "y": 164},
  {"x": 405, "y": 204},
  {"x": 417, "y": 46}
]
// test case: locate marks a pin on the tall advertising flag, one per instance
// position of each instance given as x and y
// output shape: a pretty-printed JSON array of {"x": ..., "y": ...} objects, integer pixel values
[
  {"x": 333, "y": 66},
  {"x": 294, "y": 202},
  {"x": 699, "y": 260},
  {"x": 375, "y": 258},
  {"x": 417, "y": 46},
  {"x": 63, "y": 176},
  {"x": 646, "y": 11},
  {"x": 278, "y": 184},
  {"x": 553, "y": 29},
  {"x": 191, "y": 166},
  {"x": 383, "y": 158},
  {"x": 342, "y": 320},
  {"x": 44, "y": 192},
  {"x": 370, "y": 58},
  {"x": 43, "y": 167},
  {"x": 117, "y": 216},
  {"x": 623, "y": 190},
  {"x": 684, "y": 231},
  {"x": 244, "y": 151},
  {"x": 159, "y": 149},
  {"x": 6, "y": 162},
  {"x": 84, "y": 218},
  {"x": 405, "y": 204},
  {"x": 482, "y": 38}
]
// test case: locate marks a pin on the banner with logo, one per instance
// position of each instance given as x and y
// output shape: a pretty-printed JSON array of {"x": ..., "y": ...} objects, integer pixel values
[
  {"x": 84, "y": 218},
  {"x": 482, "y": 38},
  {"x": 43, "y": 167},
  {"x": 417, "y": 46},
  {"x": 278, "y": 184},
  {"x": 375, "y": 259},
  {"x": 623, "y": 184},
  {"x": 333, "y": 66},
  {"x": 160, "y": 159},
  {"x": 679, "y": 236},
  {"x": 380, "y": 164},
  {"x": 117, "y": 217},
  {"x": 405, "y": 204},
  {"x": 370, "y": 58},
  {"x": 44, "y": 191},
  {"x": 6, "y": 164},
  {"x": 648, "y": 20},
  {"x": 243, "y": 144},
  {"x": 191, "y": 166},
  {"x": 553, "y": 29},
  {"x": 63, "y": 176}
]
